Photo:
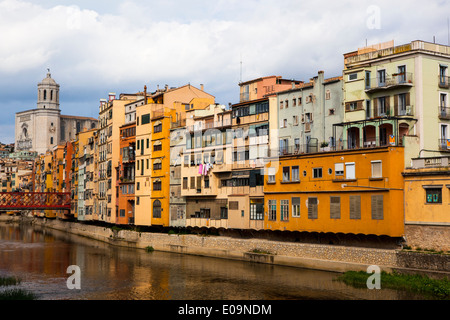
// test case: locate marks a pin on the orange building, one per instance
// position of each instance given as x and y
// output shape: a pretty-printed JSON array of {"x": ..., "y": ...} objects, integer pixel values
[
  {"x": 126, "y": 169},
  {"x": 350, "y": 192}
]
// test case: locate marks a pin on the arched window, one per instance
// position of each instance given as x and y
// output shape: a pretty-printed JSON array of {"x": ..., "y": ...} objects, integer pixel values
[
  {"x": 156, "y": 209},
  {"x": 51, "y": 140},
  {"x": 45, "y": 94}
]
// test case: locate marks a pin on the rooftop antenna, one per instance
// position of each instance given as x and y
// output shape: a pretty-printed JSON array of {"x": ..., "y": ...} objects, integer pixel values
[{"x": 240, "y": 76}]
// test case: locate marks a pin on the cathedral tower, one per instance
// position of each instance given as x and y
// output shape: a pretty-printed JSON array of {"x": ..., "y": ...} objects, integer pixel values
[{"x": 48, "y": 93}]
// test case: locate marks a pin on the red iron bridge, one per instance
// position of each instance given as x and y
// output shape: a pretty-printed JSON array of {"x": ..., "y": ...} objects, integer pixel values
[{"x": 15, "y": 201}]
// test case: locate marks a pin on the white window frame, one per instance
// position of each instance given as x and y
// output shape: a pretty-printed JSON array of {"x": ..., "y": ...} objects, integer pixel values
[
  {"x": 381, "y": 168},
  {"x": 348, "y": 172}
]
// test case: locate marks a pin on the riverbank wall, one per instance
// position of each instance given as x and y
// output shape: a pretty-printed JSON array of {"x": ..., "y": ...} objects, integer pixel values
[{"x": 332, "y": 258}]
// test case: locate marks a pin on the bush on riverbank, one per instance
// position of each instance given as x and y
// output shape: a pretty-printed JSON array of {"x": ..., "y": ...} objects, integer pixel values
[
  {"x": 434, "y": 288},
  {"x": 16, "y": 293}
]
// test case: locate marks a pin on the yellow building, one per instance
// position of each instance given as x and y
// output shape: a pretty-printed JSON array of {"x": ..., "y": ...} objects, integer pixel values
[
  {"x": 352, "y": 192},
  {"x": 153, "y": 125},
  {"x": 111, "y": 118},
  {"x": 427, "y": 203}
]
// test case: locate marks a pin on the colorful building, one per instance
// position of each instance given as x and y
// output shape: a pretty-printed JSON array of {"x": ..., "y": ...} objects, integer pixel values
[
  {"x": 306, "y": 114},
  {"x": 427, "y": 203},
  {"x": 153, "y": 163},
  {"x": 350, "y": 192},
  {"x": 397, "y": 95},
  {"x": 126, "y": 169}
]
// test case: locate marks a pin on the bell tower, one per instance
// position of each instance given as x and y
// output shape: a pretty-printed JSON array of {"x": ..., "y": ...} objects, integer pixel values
[{"x": 48, "y": 93}]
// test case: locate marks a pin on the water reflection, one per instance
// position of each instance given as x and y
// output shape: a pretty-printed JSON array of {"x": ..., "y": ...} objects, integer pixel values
[{"x": 40, "y": 257}]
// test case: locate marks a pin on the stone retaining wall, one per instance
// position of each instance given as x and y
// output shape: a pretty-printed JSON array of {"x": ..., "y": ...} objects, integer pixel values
[{"x": 314, "y": 256}]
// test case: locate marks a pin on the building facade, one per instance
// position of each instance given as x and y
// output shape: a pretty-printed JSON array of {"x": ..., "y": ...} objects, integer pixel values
[{"x": 44, "y": 127}]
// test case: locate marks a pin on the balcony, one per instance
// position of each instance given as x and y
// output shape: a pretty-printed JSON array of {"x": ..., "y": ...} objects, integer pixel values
[
  {"x": 444, "y": 113},
  {"x": 389, "y": 82},
  {"x": 178, "y": 124},
  {"x": 444, "y": 145},
  {"x": 404, "y": 111},
  {"x": 444, "y": 82}
]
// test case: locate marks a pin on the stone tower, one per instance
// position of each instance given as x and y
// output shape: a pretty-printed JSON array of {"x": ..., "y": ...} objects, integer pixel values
[{"x": 48, "y": 93}]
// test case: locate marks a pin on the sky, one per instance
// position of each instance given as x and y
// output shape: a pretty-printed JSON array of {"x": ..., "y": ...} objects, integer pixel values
[{"x": 99, "y": 46}]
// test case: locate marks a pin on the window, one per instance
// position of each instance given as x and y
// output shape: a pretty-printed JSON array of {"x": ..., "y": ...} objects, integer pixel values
[
  {"x": 295, "y": 207},
  {"x": 335, "y": 207},
  {"x": 295, "y": 120},
  {"x": 328, "y": 95},
  {"x": 401, "y": 74},
  {"x": 355, "y": 207},
  {"x": 271, "y": 175},
  {"x": 312, "y": 208},
  {"x": 286, "y": 104},
  {"x": 185, "y": 183},
  {"x": 223, "y": 213},
  {"x": 157, "y": 127},
  {"x": 156, "y": 209},
  {"x": 295, "y": 173},
  {"x": 122, "y": 212},
  {"x": 272, "y": 209},
  {"x": 317, "y": 173},
  {"x": 281, "y": 104},
  {"x": 433, "y": 195},
  {"x": 157, "y": 185},
  {"x": 284, "y": 210},
  {"x": 377, "y": 207},
  {"x": 350, "y": 171},
  {"x": 443, "y": 81},
  {"x": 352, "y": 76},
  {"x": 377, "y": 171},
  {"x": 206, "y": 181},
  {"x": 286, "y": 174},
  {"x": 294, "y": 102},
  {"x": 51, "y": 140},
  {"x": 145, "y": 118},
  {"x": 257, "y": 209},
  {"x": 381, "y": 78},
  {"x": 367, "y": 80}
]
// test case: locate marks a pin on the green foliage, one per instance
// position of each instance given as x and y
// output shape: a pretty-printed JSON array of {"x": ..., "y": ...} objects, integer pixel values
[
  {"x": 149, "y": 249},
  {"x": 435, "y": 288},
  {"x": 17, "y": 294},
  {"x": 9, "y": 281}
]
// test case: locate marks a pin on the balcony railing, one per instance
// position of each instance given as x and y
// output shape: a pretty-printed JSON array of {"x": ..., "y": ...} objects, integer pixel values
[
  {"x": 444, "y": 145},
  {"x": 400, "y": 79},
  {"x": 444, "y": 113},
  {"x": 444, "y": 82}
]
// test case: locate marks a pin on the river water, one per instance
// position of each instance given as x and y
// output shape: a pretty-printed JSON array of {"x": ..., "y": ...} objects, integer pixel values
[{"x": 40, "y": 257}]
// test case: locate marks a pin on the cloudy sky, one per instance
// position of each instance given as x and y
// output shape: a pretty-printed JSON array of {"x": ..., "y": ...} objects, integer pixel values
[{"x": 99, "y": 46}]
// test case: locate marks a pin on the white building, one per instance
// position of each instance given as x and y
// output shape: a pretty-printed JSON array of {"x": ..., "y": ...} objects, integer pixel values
[{"x": 43, "y": 128}]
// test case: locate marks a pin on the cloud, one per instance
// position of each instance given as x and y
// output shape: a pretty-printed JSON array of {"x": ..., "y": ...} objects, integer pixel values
[{"x": 102, "y": 46}]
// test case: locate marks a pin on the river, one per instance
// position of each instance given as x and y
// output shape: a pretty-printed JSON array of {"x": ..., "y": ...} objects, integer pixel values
[{"x": 40, "y": 257}]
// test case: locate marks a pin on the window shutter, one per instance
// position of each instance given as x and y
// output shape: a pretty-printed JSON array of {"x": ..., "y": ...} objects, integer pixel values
[
  {"x": 312, "y": 208},
  {"x": 408, "y": 99},
  {"x": 335, "y": 207},
  {"x": 396, "y": 104},
  {"x": 192, "y": 183},
  {"x": 387, "y": 102},
  {"x": 377, "y": 207},
  {"x": 375, "y": 107},
  {"x": 359, "y": 105},
  {"x": 355, "y": 207}
]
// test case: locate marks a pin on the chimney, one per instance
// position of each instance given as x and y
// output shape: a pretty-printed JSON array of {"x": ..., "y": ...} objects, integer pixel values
[
  {"x": 145, "y": 94},
  {"x": 202, "y": 87}
]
